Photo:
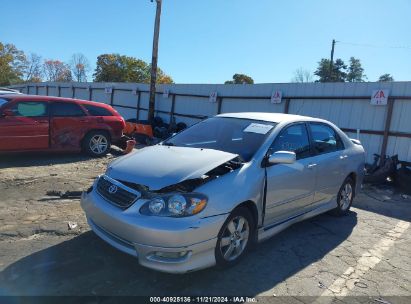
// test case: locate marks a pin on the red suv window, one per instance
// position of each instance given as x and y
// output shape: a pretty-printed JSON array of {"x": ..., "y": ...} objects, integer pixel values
[
  {"x": 97, "y": 111},
  {"x": 66, "y": 109}
]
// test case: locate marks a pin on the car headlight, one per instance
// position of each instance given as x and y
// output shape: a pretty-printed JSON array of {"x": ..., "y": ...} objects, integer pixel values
[{"x": 175, "y": 205}]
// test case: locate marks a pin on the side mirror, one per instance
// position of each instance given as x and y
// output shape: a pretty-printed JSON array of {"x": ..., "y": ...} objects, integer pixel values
[
  {"x": 282, "y": 157},
  {"x": 7, "y": 112}
]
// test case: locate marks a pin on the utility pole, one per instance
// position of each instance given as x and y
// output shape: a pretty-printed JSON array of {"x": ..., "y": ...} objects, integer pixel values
[
  {"x": 154, "y": 62},
  {"x": 332, "y": 59}
]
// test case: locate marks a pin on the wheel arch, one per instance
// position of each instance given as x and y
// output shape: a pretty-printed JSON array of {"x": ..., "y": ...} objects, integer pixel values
[{"x": 353, "y": 176}]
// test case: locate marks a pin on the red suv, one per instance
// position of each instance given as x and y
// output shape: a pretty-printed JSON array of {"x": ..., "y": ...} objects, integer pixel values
[{"x": 44, "y": 123}]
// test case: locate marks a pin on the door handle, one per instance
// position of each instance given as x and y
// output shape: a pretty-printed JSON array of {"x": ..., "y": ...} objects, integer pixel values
[
  {"x": 310, "y": 166},
  {"x": 41, "y": 121}
]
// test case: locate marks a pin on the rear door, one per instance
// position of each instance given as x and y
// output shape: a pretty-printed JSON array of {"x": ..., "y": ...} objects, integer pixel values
[
  {"x": 25, "y": 127},
  {"x": 330, "y": 160},
  {"x": 290, "y": 187},
  {"x": 68, "y": 125}
]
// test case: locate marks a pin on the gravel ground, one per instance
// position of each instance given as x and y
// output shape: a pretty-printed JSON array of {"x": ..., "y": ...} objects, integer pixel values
[{"x": 367, "y": 253}]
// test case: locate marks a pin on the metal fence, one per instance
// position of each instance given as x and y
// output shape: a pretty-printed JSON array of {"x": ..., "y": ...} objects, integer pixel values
[{"x": 384, "y": 130}]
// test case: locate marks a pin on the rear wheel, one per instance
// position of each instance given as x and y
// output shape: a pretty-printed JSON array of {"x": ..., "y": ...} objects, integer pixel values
[
  {"x": 345, "y": 197},
  {"x": 97, "y": 143},
  {"x": 234, "y": 238}
]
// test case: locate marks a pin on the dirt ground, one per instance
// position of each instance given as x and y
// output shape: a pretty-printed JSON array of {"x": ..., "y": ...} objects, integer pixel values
[{"x": 367, "y": 253}]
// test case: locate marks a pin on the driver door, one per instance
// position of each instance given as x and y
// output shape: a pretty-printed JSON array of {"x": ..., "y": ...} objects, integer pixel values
[
  {"x": 25, "y": 126},
  {"x": 290, "y": 187}
]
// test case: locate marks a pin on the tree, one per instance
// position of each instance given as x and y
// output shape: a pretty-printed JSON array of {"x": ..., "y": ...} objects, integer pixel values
[
  {"x": 385, "y": 78},
  {"x": 33, "y": 71},
  {"x": 301, "y": 75},
  {"x": 79, "y": 66},
  {"x": 120, "y": 68},
  {"x": 12, "y": 64},
  {"x": 240, "y": 79},
  {"x": 56, "y": 70},
  {"x": 355, "y": 71},
  {"x": 335, "y": 74}
]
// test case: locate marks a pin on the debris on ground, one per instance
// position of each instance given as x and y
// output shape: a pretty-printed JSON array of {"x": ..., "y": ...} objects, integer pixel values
[
  {"x": 65, "y": 194},
  {"x": 72, "y": 225}
]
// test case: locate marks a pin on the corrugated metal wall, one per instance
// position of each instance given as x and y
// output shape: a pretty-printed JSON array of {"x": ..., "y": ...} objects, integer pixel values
[{"x": 345, "y": 104}]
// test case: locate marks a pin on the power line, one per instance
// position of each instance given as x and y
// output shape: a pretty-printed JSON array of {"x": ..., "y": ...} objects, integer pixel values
[{"x": 376, "y": 46}]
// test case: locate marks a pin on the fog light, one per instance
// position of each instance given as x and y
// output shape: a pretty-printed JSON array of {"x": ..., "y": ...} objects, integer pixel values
[{"x": 170, "y": 255}]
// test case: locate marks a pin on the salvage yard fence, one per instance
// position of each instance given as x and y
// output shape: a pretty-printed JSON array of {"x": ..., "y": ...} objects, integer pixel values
[{"x": 382, "y": 129}]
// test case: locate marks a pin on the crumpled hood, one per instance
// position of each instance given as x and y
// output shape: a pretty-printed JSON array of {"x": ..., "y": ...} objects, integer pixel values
[{"x": 160, "y": 166}]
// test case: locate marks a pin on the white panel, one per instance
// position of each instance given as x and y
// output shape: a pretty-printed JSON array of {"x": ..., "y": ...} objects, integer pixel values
[
  {"x": 42, "y": 91},
  {"x": 230, "y": 105},
  {"x": 65, "y": 92},
  {"x": 100, "y": 96},
  {"x": 124, "y": 98},
  {"x": 81, "y": 93},
  {"x": 195, "y": 106},
  {"x": 401, "y": 116},
  {"x": 126, "y": 113}
]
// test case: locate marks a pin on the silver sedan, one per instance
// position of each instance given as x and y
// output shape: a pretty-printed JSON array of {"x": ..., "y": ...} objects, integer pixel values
[{"x": 206, "y": 195}]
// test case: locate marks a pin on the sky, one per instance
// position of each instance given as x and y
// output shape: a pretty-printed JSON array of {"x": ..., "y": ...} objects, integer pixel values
[{"x": 207, "y": 41}]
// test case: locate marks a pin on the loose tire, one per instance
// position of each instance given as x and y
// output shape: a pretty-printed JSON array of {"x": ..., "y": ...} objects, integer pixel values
[
  {"x": 345, "y": 197},
  {"x": 97, "y": 143},
  {"x": 234, "y": 238}
]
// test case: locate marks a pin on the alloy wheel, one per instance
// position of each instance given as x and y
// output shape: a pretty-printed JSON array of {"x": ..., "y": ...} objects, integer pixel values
[
  {"x": 235, "y": 238},
  {"x": 98, "y": 144},
  {"x": 346, "y": 196}
]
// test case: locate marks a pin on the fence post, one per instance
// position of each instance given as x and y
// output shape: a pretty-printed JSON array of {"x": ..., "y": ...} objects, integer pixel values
[
  {"x": 37, "y": 89},
  {"x": 58, "y": 91},
  {"x": 47, "y": 90},
  {"x": 287, "y": 105},
  {"x": 173, "y": 104},
  {"x": 112, "y": 96},
  {"x": 90, "y": 93},
  {"x": 73, "y": 91},
  {"x": 220, "y": 102},
  {"x": 138, "y": 104},
  {"x": 387, "y": 127},
  {"x": 27, "y": 89}
]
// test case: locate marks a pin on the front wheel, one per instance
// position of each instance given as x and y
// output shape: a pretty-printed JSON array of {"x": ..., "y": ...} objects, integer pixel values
[
  {"x": 344, "y": 197},
  {"x": 96, "y": 143},
  {"x": 234, "y": 238}
]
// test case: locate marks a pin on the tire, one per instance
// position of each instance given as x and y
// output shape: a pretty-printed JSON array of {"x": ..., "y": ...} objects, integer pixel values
[
  {"x": 345, "y": 197},
  {"x": 231, "y": 238},
  {"x": 91, "y": 145}
]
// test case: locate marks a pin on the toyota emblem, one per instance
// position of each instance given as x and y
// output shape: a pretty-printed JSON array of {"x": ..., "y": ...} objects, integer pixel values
[{"x": 112, "y": 189}]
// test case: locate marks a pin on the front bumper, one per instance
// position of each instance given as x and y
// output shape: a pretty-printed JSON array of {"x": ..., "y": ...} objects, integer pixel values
[{"x": 143, "y": 236}]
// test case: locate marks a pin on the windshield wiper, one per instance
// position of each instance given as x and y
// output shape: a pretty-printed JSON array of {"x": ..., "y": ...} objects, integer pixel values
[{"x": 168, "y": 144}]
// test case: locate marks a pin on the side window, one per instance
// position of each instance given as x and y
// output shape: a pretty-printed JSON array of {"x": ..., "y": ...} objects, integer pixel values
[
  {"x": 97, "y": 111},
  {"x": 30, "y": 109},
  {"x": 66, "y": 109},
  {"x": 294, "y": 139},
  {"x": 325, "y": 139}
]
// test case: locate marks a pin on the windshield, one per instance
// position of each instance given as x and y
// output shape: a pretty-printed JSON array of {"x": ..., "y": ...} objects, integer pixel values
[{"x": 234, "y": 135}]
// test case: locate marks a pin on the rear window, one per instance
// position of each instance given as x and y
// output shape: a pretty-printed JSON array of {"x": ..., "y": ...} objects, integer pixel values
[
  {"x": 97, "y": 111},
  {"x": 66, "y": 109}
]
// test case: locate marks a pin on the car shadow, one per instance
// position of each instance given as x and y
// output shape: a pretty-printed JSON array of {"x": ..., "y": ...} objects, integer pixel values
[
  {"x": 392, "y": 205},
  {"x": 23, "y": 159},
  {"x": 85, "y": 265}
]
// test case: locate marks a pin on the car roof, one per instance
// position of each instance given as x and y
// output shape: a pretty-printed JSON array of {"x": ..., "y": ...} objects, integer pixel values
[
  {"x": 271, "y": 117},
  {"x": 53, "y": 98}
]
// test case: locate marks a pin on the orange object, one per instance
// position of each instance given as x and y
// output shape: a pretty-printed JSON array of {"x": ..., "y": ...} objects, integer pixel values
[
  {"x": 132, "y": 128},
  {"x": 130, "y": 146}
]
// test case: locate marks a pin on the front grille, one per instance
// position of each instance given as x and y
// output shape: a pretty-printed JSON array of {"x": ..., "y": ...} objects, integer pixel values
[{"x": 116, "y": 193}]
